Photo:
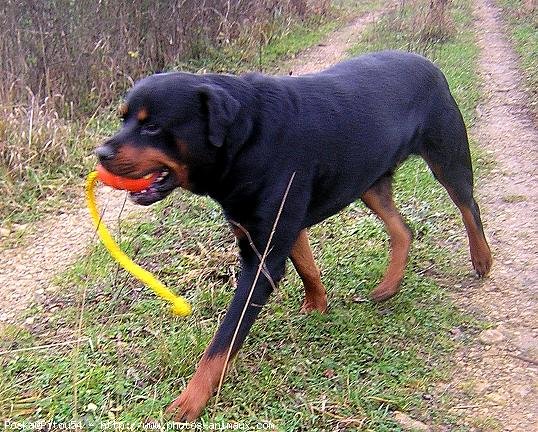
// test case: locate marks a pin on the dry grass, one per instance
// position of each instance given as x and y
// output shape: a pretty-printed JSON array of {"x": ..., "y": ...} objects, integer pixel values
[
  {"x": 88, "y": 52},
  {"x": 426, "y": 23},
  {"x": 41, "y": 154},
  {"x": 31, "y": 133},
  {"x": 437, "y": 23},
  {"x": 64, "y": 64}
]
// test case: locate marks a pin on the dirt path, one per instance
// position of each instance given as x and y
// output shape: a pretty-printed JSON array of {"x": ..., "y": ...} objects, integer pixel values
[
  {"x": 496, "y": 384},
  {"x": 27, "y": 271},
  {"x": 333, "y": 48}
]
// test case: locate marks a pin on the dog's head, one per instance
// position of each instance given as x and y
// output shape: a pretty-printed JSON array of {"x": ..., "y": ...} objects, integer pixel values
[{"x": 175, "y": 125}]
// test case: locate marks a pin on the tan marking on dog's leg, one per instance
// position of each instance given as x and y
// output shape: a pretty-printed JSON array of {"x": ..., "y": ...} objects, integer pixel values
[
  {"x": 303, "y": 261},
  {"x": 201, "y": 387},
  {"x": 379, "y": 199}
]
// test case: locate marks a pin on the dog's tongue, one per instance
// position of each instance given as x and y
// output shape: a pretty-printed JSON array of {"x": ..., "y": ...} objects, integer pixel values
[{"x": 124, "y": 183}]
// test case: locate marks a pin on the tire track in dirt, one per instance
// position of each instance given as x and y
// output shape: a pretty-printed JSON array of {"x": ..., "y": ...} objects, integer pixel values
[
  {"x": 27, "y": 271},
  {"x": 496, "y": 380}
]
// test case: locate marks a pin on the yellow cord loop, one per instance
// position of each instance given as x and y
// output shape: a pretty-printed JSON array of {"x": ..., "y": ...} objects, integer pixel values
[{"x": 179, "y": 305}]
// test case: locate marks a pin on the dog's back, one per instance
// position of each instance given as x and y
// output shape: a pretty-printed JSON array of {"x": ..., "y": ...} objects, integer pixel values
[{"x": 351, "y": 123}]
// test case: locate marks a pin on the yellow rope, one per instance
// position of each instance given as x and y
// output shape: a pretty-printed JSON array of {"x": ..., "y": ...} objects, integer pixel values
[{"x": 179, "y": 305}]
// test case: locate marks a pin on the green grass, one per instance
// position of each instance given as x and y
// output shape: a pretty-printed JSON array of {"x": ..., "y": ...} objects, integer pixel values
[
  {"x": 348, "y": 368},
  {"x": 244, "y": 56},
  {"x": 523, "y": 28},
  {"x": 360, "y": 360},
  {"x": 303, "y": 37},
  {"x": 294, "y": 43}
]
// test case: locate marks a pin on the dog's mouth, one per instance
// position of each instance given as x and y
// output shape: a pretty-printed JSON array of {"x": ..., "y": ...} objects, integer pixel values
[{"x": 164, "y": 183}]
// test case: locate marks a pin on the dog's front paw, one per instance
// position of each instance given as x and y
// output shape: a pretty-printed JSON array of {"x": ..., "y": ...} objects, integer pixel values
[
  {"x": 385, "y": 290},
  {"x": 310, "y": 304},
  {"x": 189, "y": 405},
  {"x": 482, "y": 262}
]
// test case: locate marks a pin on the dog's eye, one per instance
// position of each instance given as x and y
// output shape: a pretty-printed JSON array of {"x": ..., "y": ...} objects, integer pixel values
[{"x": 151, "y": 129}]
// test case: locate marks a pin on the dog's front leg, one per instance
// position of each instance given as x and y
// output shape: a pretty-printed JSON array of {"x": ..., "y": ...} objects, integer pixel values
[
  {"x": 267, "y": 235},
  {"x": 234, "y": 327}
]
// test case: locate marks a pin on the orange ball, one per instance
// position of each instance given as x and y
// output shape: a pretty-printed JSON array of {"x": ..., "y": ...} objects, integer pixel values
[{"x": 124, "y": 183}]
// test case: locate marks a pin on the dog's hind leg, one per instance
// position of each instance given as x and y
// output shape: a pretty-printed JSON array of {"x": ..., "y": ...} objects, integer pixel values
[
  {"x": 301, "y": 256},
  {"x": 446, "y": 151},
  {"x": 379, "y": 199}
]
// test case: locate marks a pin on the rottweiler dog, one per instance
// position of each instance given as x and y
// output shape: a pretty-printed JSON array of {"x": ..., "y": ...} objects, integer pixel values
[{"x": 340, "y": 134}]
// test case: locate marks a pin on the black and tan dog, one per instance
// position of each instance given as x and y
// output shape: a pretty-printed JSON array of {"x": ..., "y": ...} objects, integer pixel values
[{"x": 343, "y": 132}]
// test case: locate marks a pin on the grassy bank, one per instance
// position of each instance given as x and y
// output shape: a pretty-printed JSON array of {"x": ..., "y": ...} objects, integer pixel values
[
  {"x": 521, "y": 17},
  {"x": 350, "y": 368}
]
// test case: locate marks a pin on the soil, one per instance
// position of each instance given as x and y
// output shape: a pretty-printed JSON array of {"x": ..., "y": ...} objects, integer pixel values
[{"x": 333, "y": 48}]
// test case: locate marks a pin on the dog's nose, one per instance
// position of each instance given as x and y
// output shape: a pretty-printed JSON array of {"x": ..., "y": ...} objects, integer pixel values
[{"x": 104, "y": 152}]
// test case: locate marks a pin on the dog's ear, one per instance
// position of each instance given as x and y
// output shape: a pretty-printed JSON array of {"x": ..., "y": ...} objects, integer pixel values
[{"x": 221, "y": 109}]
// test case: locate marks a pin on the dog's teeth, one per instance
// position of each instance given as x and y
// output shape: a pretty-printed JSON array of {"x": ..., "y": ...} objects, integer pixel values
[
  {"x": 144, "y": 191},
  {"x": 164, "y": 174},
  {"x": 147, "y": 176}
]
